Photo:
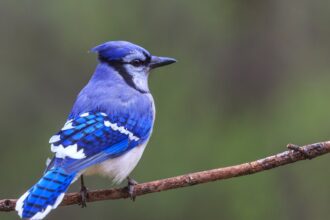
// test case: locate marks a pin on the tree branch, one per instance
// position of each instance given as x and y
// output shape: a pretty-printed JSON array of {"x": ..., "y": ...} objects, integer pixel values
[{"x": 294, "y": 154}]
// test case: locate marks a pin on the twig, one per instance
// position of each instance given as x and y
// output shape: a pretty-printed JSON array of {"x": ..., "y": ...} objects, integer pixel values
[{"x": 295, "y": 154}]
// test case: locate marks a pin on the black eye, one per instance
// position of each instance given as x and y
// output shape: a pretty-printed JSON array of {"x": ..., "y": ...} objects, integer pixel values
[{"x": 137, "y": 62}]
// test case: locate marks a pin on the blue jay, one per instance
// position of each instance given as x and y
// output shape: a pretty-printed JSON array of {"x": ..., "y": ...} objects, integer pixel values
[{"x": 106, "y": 131}]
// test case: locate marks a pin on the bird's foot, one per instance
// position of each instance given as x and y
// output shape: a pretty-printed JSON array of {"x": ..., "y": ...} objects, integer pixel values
[
  {"x": 130, "y": 186},
  {"x": 83, "y": 197},
  {"x": 303, "y": 151},
  {"x": 83, "y": 193}
]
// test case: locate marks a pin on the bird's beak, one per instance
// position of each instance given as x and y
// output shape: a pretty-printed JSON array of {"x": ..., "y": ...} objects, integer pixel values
[{"x": 160, "y": 61}]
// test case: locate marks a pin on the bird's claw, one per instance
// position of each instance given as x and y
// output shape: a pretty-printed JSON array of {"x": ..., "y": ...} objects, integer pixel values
[
  {"x": 303, "y": 151},
  {"x": 130, "y": 186}
]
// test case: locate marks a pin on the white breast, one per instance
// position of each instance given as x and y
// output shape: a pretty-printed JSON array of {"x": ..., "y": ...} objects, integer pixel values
[{"x": 120, "y": 167}]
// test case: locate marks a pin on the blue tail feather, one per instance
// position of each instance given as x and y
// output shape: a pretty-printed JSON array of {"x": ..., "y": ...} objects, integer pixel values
[{"x": 46, "y": 195}]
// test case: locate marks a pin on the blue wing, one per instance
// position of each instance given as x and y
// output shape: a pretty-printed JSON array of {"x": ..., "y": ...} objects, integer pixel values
[{"x": 92, "y": 138}]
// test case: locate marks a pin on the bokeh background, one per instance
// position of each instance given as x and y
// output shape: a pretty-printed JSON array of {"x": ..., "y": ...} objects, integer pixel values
[{"x": 252, "y": 76}]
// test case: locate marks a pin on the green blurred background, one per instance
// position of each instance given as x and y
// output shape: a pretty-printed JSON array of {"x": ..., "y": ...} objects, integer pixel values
[{"x": 252, "y": 76}]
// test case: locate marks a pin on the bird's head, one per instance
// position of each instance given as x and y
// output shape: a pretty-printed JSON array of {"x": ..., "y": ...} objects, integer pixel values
[{"x": 131, "y": 61}]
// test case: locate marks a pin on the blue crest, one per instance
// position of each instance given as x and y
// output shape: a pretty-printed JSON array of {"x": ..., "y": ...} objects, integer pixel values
[{"x": 116, "y": 50}]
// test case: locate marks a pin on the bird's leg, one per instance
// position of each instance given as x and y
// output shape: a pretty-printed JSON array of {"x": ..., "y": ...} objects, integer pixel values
[
  {"x": 295, "y": 147},
  {"x": 130, "y": 186},
  {"x": 83, "y": 192}
]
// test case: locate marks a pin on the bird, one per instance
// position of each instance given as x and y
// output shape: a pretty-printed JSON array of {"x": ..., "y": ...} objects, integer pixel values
[{"x": 106, "y": 130}]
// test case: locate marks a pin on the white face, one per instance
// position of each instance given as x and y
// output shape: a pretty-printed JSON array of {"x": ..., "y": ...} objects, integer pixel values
[{"x": 136, "y": 65}]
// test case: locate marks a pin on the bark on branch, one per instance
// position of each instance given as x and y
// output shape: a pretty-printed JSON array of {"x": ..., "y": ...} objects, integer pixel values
[{"x": 294, "y": 154}]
